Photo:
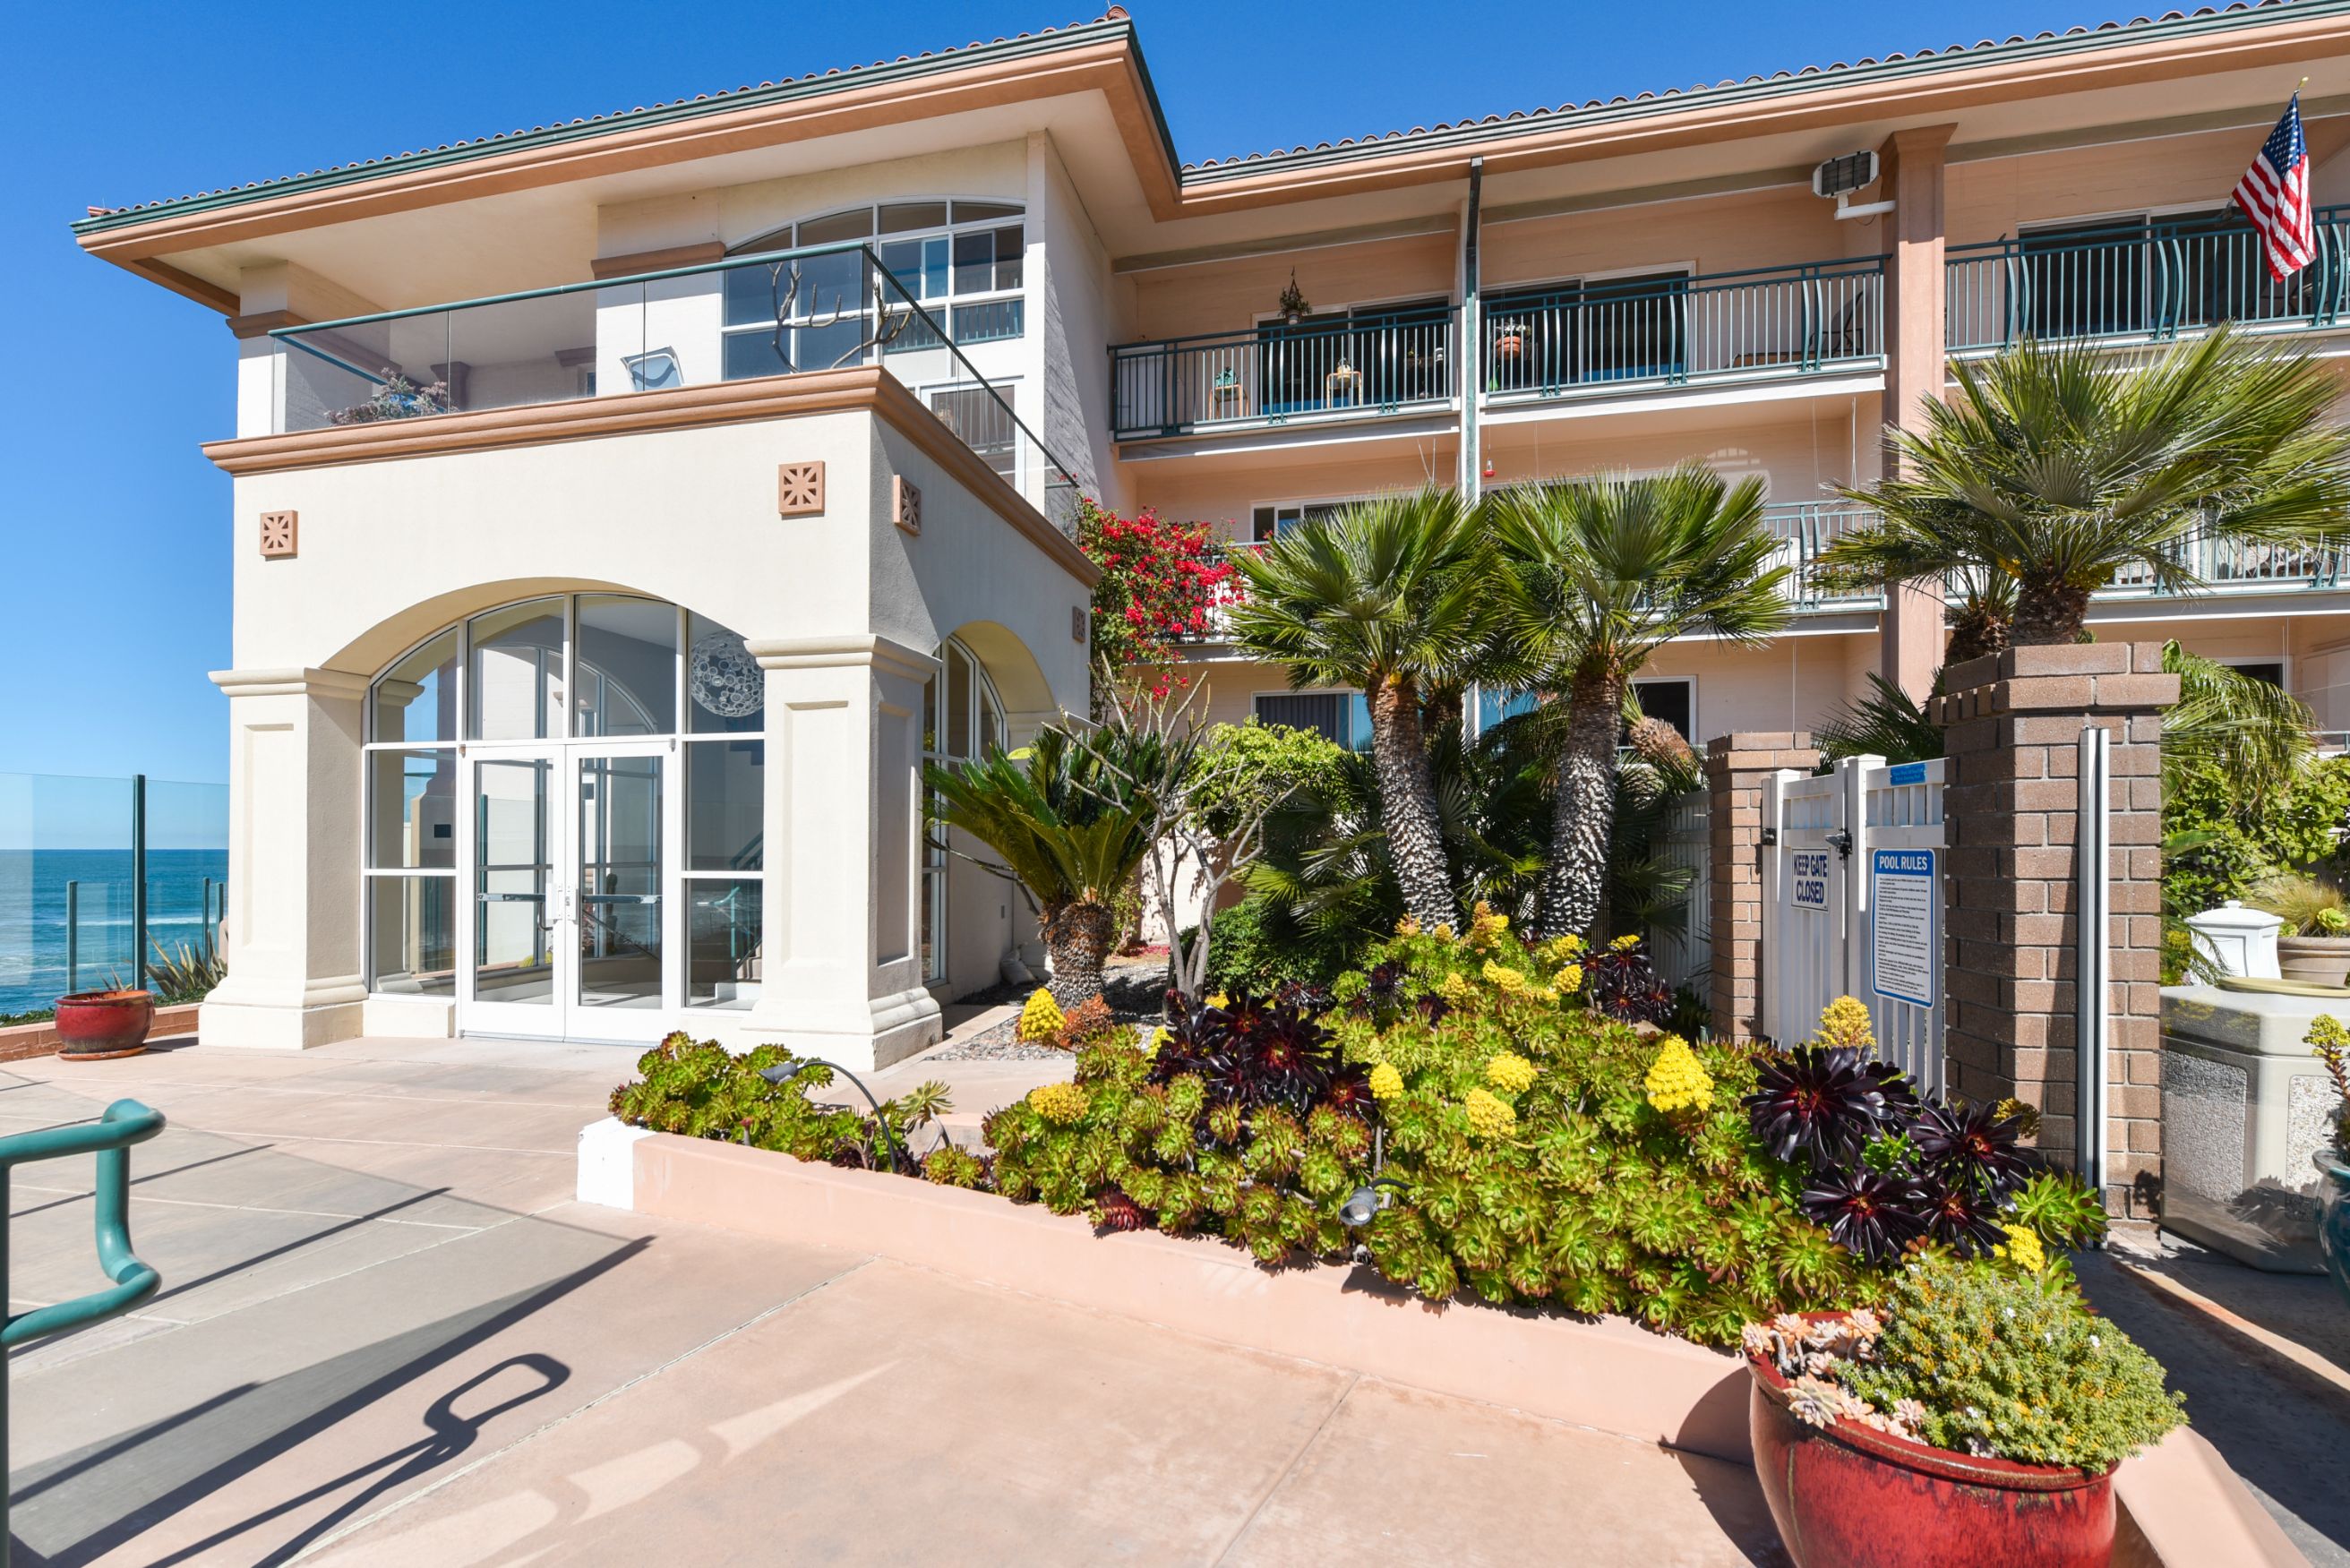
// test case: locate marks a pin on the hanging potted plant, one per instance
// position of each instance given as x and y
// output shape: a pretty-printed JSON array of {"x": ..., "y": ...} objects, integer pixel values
[
  {"x": 1292, "y": 306},
  {"x": 2315, "y": 943},
  {"x": 2331, "y": 1043},
  {"x": 1978, "y": 1417},
  {"x": 95, "y": 1025}
]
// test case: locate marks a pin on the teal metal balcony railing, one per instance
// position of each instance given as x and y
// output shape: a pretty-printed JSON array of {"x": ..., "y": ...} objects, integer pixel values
[
  {"x": 782, "y": 313},
  {"x": 2240, "y": 567},
  {"x": 1275, "y": 374},
  {"x": 2140, "y": 282},
  {"x": 1596, "y": 338}
]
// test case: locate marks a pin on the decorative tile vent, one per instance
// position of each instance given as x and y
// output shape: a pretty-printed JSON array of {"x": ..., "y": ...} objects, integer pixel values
[
  {"x": 279, "y": 533},
  {"x": 905, "y": 504},
  {"x": 799, "y": 489}
]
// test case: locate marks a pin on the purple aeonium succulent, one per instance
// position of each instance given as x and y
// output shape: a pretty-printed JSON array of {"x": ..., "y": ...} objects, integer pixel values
[
  {"x": 1959, "y": 1217},
  {"x": 1868, "y": 1213},
  {"x": 1824, "y": 1103},
  {"x": 1971, "y": 1146}
]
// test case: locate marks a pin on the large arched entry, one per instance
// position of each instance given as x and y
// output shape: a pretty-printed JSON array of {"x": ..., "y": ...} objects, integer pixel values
[{"x": 564, "y": 811}]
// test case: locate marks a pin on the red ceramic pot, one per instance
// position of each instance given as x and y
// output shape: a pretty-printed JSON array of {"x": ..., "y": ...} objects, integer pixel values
[
  {"x": 1851, "y": 1497},
  {"x": 95, "y": 1024}
]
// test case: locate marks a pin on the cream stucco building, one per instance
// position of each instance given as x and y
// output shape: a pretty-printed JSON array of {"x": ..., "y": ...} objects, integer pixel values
[{"x": 626, "y": 509}]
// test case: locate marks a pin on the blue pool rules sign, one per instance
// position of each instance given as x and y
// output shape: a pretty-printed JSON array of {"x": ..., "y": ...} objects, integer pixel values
[{"x": 1901, "y": 921}]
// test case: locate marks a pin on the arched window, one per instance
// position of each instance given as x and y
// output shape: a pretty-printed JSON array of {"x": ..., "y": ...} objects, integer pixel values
[
  {"x": 963, "y": 260},
  {"x": 564, "y": 808},
  {"x": 962, "y": 721}
]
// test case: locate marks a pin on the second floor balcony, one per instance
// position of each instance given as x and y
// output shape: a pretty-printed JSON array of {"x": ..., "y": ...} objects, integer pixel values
[
  {"x": 950, "y": 340},
  {"x": 1570, "y": 340}
]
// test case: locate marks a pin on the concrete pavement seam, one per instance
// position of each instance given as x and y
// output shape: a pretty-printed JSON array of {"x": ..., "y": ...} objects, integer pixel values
[
  {"x": 1289, "y": 1469},
  {"x": 531, "y": 1436}
]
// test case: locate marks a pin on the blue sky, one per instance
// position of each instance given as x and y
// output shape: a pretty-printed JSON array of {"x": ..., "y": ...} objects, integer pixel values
[{"x": 117, "y": 542}]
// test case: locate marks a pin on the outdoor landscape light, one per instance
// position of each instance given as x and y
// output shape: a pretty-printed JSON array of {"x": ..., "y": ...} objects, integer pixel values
[
  {"x": 784, "y": 1072},
  {"x": 1361, "y": 1206}
]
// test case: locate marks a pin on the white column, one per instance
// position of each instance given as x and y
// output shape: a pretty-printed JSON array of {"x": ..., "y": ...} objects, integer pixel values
[
  {"x": 294, "y": 912},
  {"x": 843, "y": 975}
]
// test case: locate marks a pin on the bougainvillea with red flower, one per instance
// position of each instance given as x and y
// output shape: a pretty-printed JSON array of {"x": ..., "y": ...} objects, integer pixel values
[{"x": 1162, "y": 583}]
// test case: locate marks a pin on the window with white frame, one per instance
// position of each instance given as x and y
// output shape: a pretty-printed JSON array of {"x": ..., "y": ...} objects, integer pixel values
[
  {"x": 962, "y": 721},
  {"x": 982, "y": 416},
  {"x": 963, "y": 261},
  {"x": 570, "y": 667},
  {"x": 1343, "y": 717},
  {"x": 1672, "y": 698},
  {"x": 1271, "y": 520}
]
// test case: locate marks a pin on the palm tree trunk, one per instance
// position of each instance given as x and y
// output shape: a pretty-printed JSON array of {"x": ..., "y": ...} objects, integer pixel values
[
  {"x": 1583, "y": 810},
  {"x": 1407, "y": 804},
  {"x": 2048, "y": 614},
  {"x": 1077, "y": 938}
]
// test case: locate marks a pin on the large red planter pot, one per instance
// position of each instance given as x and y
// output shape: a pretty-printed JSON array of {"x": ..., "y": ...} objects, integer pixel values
[
  {"x": 101, "y": 1023},
  {"x": 1851, "y": 1497}
]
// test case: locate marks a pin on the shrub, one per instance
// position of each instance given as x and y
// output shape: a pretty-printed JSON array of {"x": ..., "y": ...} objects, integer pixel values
[
  {"x": 1530, "y": 1161},
  {"x": 1258, "y": 946},
  {"x": 2223, "y": 843},
  {"x": 2001, "y": 1361},
  {"x": 1240, "y": 1121},
  {"x": 703, "y": 1090}
]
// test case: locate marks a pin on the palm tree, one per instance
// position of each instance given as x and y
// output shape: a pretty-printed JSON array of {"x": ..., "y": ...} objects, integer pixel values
[
  {"x": 1602, "y": 572},
  {"x": 1067, "y": 818},
  {"x": 2055, "y": 467},
  {"x": 1385, "y": 595}
]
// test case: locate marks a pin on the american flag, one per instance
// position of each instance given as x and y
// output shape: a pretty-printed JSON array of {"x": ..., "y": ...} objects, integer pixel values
[{"x": 2274, "y": 194}]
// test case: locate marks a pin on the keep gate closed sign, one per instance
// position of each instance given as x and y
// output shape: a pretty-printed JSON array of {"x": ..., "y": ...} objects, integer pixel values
[{"x": 1808, "y": 880}]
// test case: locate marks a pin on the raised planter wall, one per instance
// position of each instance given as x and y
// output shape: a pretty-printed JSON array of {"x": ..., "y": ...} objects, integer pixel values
[{"x": 21, "y": 1041}]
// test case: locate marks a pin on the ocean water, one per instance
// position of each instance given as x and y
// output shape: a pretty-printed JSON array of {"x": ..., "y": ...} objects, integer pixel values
[{"x": 33, "y": 914}]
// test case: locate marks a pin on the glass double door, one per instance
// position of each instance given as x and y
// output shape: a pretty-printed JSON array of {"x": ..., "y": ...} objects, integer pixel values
[{"x": 571, "y": 882}]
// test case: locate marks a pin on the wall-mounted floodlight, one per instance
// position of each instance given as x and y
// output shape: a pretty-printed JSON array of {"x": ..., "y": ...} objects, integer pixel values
[{"x": 784, "y": 1072}]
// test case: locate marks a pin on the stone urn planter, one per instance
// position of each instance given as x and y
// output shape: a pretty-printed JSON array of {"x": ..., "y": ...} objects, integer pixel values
[
  {"x": 1851, "y": 1497},
  {"x": 2320, "y": 960},
  {"x": 95, "y": 1025},
  {"x": 2334, "y": 1214}
]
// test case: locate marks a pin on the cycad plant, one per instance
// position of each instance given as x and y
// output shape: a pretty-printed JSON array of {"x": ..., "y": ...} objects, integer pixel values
[
  {"x": 1066, "y": 818},
  {"x": 1389, "y": 595},
  {"x": 2057, "y": 467},
  {"x": 1601, "y": 574}
]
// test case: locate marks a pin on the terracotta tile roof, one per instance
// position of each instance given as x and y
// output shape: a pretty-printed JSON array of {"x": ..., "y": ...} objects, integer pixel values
[
  {"x": 1570, "y": 111},
  {"x": 1207, "y": 170},
  {"x": 707, "y": 102}
]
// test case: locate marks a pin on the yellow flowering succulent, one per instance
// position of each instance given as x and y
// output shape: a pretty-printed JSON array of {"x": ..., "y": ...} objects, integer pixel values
[
  {"x": 1846, "y": 1021},
  {"x": 1407, "y": 926},
  {"x": 1509, "y": 1072},
  {"x": 2022, "y": 1249},
  {"x": 1485, "y": 926},
  {"x": 1569, "y": 980},
  {"x": 1452, "y": 988},
  {"x": 1559, "y": 949},
  {"x": 1386, "y": 1083},
  {"x": 2025, "y": 1113},
  {"x": 1505, "y": 978},
  {"x": 1219, "y": 1000},
  {"x": 1678, "y": 1080},
  {"x": 1042, "y": 1019},
  {"x": 1624, "y": 943},
  {"x": 1488, "y": 1118},
  {"x": 1060, "y": 1103}
]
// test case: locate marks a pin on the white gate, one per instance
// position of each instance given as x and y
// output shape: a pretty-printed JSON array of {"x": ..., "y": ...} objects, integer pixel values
[
  {"x": 1686, "y": 956},
  {"x": 1853, "y": 904}
]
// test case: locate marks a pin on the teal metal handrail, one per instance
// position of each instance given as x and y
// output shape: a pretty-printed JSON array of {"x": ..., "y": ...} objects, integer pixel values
[{"x": 124, "y": 1123}]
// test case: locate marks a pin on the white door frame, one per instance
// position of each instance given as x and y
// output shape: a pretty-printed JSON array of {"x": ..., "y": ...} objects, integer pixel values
[{"x": 561, "y": 906}]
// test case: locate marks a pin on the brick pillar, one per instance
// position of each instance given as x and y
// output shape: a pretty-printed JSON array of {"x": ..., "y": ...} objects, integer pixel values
[
  {"x": 2012, "y": 726},
  {"x": 1911, "y": 170},
  {"x": 1736, "y": 767}
]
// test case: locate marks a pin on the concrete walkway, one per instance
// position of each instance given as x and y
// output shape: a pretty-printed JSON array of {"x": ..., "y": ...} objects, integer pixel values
[{"x": 387, "y": 1335}]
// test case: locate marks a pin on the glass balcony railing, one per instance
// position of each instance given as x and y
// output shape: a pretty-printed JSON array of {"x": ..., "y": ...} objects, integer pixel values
[
  {"x": 1368, "y": 363},
  {"x": 782, "y": 314},
  {"x": 1673, "y": 327},
  {"x": 2139, "y": 281}
]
